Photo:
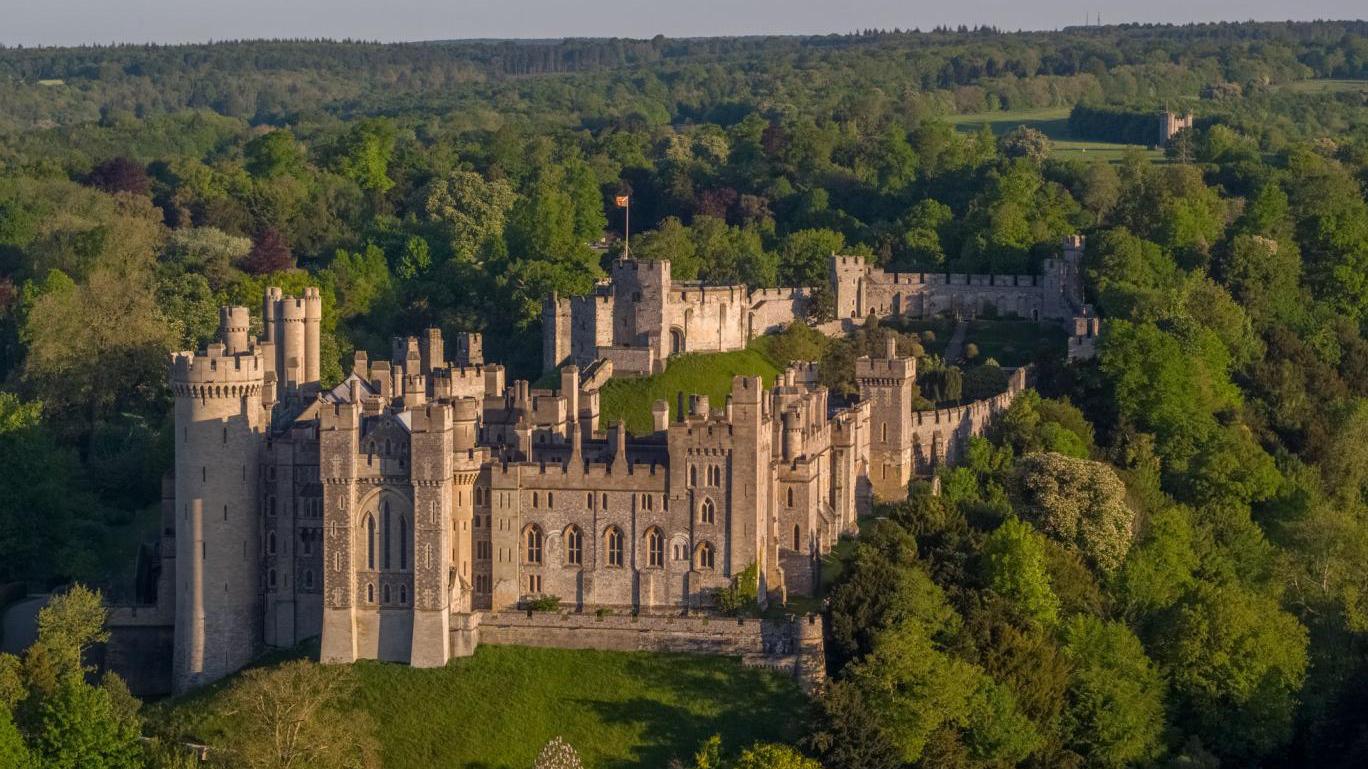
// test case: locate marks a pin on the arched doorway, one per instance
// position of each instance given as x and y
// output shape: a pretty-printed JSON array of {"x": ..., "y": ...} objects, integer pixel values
[{"x": 676, "y": 340}]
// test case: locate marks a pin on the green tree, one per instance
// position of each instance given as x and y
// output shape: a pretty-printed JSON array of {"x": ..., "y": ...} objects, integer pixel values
[
  {"x": 363, "y": 154},
  {"x": 767, "y": 755},
  {"x": 1013, "y": 564},
  {"x": 273, "y": 154},
  {"x": 1115, "y": 707},
  {"x": 296, "y": 715},
  {"x": 805, "y": 256},
  {"x": 471, "y": 209},
  {"x": 671, "y": 241},
  {"x": 1235, "y": 661}
]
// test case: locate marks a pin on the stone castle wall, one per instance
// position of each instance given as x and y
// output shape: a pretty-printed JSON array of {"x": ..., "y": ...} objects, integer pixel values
[
  {"x": 641, "y": 307},
  {"x": 794, "y": 647}
]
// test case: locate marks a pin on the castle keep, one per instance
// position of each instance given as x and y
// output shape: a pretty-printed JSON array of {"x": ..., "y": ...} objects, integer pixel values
[{"x": 396, "y": 513}]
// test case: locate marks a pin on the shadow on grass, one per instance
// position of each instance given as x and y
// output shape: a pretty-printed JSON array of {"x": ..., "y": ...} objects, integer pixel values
[{"x": 761, "y": 706}]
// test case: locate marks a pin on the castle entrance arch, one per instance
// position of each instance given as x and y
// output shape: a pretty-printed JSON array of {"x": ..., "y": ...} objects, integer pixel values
[{"x": 676, "y": 340}]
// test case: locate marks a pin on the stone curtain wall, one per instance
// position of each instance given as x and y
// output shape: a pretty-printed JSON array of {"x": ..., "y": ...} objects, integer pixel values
[{"x": 794, "y": 647}]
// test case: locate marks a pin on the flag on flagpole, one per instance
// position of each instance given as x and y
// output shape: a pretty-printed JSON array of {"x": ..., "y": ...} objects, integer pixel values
[{"x": 621, "y": 201}]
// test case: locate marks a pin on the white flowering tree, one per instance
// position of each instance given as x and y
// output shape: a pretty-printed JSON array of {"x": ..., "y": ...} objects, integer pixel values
[{"x": 557, "y": 754}]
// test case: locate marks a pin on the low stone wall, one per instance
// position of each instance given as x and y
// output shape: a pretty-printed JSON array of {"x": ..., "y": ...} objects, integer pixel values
[{"x": 794, "y": 647}]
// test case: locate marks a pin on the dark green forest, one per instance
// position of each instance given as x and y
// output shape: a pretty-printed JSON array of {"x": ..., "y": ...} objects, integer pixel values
[{"x": 1157, "y": 559}]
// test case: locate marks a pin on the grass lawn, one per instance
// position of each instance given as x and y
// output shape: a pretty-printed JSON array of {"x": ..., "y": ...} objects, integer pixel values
[
  {"x": 1054, "y": 123},
  {"x": 707, "y": 374},
  {"x": 496, "y": 709},
  {"x": 1326, "y": 86},
  {"x": 1013, "y": 342}
]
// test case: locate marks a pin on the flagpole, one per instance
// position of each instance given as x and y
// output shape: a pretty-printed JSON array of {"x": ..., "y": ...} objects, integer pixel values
[{"x": 627, "y": 230}]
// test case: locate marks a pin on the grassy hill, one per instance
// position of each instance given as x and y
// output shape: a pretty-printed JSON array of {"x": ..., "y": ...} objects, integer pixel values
[
  {"x": 496, "y": 709},
  {"x": 707, "y": 374}
]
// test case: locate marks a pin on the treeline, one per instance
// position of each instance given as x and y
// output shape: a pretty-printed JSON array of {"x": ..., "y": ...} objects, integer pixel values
[
  {"x": 934, "y": 72},
  {"x": 1114, "y": 124}
]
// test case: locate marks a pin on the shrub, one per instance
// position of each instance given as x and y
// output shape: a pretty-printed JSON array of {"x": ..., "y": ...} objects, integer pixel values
[
  {"x": 544, "y": 603},
  {"x": 741, "y": 594}
]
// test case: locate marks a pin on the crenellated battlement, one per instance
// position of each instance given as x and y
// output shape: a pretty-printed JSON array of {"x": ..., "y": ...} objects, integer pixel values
[{"x": 215, "y": 373}]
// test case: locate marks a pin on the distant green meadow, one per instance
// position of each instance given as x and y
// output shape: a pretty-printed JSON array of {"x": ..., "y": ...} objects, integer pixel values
[{"x": 1054, "y": 123}]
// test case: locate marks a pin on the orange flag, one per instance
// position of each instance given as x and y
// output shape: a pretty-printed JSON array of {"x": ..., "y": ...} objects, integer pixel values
[{"x": 621, "y": 201}]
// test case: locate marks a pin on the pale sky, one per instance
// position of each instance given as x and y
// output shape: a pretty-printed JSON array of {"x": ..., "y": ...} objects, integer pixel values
[{"x": 68, "y": 22}]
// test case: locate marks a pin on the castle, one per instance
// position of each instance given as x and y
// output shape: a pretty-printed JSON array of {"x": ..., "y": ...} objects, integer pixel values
[
  {"x": 396, "y": 513},
  {"x": 640, "y": 317}
]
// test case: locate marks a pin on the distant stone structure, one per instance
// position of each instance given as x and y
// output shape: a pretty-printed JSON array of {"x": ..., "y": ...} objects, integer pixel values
[
  {"x": 640, "y": 317},
  {"x": 863, "y": 289},
  {"x": 1087, "y": 327},
  {"x": 420, "y": 500},
  {"x": 1171, "y": 123}
]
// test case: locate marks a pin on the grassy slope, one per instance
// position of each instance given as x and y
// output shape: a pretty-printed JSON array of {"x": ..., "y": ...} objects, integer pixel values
[
  {"x": 495, "y": 710},
  {"x": 704, "y": 374},
  {"x": 1054, "y": 123}
]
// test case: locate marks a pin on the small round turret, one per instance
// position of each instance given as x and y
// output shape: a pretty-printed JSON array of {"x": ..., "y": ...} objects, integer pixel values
[{"x": 234, "y": 322}]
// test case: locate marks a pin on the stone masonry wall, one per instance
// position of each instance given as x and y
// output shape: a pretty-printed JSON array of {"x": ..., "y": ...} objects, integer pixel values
[{"x": 792, "y": 646}]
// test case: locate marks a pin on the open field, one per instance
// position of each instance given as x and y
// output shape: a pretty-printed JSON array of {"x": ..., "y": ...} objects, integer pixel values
[
  {"x": 496, "y": 709},
  {"x": 1326, "y": 86},
  {"x": 707, "y": 374},
  {"x": 1054, "y": 123}
]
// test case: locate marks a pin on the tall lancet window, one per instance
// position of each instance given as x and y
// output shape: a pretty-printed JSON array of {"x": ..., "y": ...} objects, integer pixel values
[
  {"x": 370, "y": 542},
  {"x": 403, "y": 542},
  {"x": 385, "y": 527}
]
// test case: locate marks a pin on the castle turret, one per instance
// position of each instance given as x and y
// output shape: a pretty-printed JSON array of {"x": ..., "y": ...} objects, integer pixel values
[
  {"x": 293, "y": 326},
  {"x": 234, "y": 323},
  {"x": 313, "y": 329},
  {"x": 219, "y": 422}
]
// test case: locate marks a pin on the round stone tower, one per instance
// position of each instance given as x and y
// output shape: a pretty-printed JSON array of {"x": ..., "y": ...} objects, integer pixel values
[{"x": 219, "y": 426}]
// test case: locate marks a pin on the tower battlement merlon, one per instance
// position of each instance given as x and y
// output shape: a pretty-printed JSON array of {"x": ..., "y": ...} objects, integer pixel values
[{"x": 216, "y": 365}]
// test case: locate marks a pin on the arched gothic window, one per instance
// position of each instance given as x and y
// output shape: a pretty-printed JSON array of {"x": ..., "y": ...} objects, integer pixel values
[
  {"x": 385, "y": 592},
  {"x": 370, "y": 542},
  {"x": 574, "y": 546},
  {"x": 532, "y": 539},
  {"x": 370, "y": 592},
  {"x": 403, "y": 542},
  {"x": 707, "y": 512},
  {"x": 271, "y": 578},
  {"x": 693, "y": 475},
  {"x": 790, "y": 497},
  {"x": 614, "y": 541},
  {"x": 797, "y": 537},
  {"x": 706, "y": 556},
  {"x": 403, "y": 594},
  {"x": 655, "y": 548},
  {"x": 270, "y": 543}
]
